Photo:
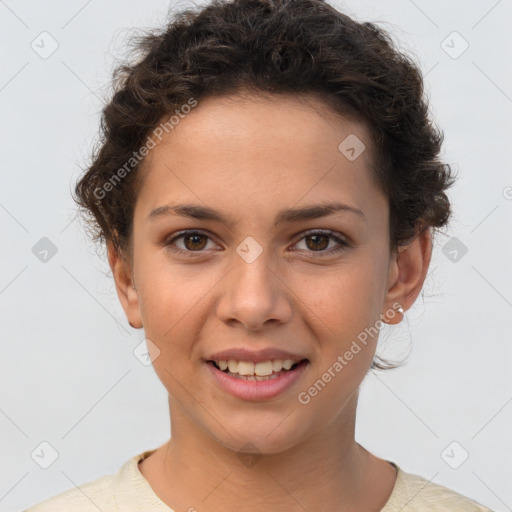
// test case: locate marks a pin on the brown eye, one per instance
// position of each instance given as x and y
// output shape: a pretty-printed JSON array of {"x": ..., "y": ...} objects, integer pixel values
[
  {"x": 319, "y": 242},
  {"x": 192, "y": 241}
]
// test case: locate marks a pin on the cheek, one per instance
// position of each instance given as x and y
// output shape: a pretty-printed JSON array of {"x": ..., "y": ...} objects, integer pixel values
[
  {"x": 168, "y": 300},
  {"x": 170, "y": 292},
  {"x": 344, "y": 302},
  {"x": 342, "y": 317},
  {"x": 171, "y": 310}
]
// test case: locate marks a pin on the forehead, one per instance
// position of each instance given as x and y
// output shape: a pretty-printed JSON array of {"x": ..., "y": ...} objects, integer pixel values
[{"x": 256, "y": 154}]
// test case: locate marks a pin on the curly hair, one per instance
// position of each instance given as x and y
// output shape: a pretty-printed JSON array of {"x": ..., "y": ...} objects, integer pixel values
[{"x": 279, "y": 47}]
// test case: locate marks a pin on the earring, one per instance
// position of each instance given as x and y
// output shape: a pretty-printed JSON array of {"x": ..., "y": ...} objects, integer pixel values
[{"x": 400, "y": 309}]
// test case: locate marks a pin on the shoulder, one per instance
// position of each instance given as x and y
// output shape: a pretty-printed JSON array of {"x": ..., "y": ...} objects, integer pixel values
[
  {"x": 91, "y": 496},
  {"x": 414, "y": 493},
  {"x": 109, "y": 493}
]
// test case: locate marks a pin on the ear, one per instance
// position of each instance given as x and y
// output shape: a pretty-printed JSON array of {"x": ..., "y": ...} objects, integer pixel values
[
  {"x": 125, "y": 286},
  {"x": 407, "y": 272}
]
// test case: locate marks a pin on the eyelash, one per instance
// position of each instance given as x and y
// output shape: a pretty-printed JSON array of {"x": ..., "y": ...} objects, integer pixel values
[{"x": 341, "y": 247}]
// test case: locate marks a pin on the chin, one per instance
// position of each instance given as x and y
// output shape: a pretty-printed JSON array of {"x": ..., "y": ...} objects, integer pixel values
[{"x": 258, "y": 439}]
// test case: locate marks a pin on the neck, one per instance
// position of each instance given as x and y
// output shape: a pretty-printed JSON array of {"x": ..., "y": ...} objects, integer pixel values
[{"x": 328, "y": 472}]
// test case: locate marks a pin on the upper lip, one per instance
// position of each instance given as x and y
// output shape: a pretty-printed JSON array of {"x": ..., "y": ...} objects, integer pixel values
[{"x": 255, "y": 356}]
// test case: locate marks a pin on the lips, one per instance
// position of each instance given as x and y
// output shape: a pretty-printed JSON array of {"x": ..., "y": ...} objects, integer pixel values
[
  {"x": 256, "y": 374},
  {"x": 257, "y": 388}
]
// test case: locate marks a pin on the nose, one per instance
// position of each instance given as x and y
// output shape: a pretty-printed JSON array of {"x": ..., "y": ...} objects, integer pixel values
[{"x": 254, "y": 296}]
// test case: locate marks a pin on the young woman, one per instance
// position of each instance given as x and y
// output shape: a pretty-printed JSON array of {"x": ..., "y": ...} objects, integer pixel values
[{"x": 267, "y": 188}]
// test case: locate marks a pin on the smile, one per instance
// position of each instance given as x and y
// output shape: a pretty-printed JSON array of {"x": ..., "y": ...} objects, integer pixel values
[
  {"x": 260, "y": 369},
  {"x": 257, "y": 381}
]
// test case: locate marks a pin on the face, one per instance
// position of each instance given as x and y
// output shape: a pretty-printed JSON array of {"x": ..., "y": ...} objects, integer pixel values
[{"x": 260, "y": 285}]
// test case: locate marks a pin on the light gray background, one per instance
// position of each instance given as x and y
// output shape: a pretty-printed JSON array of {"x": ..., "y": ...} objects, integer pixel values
[{"x": 68, "y": 374}]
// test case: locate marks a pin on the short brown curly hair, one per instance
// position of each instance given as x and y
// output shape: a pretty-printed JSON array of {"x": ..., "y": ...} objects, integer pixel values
[{"x": 279, "y": 47}]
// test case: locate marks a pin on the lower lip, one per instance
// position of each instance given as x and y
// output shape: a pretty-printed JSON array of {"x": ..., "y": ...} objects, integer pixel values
[{"x": 257, "y": 390}]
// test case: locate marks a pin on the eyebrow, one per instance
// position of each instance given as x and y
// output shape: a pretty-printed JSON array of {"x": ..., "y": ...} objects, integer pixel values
[{"x": 289, "y": 215}]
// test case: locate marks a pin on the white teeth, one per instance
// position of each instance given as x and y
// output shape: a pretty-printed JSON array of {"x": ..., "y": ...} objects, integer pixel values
[
  {"x": 264, "y": 368},
  {"x": 261, "y": 369},
  {"x": 277, "y": 365},
  {"x": 245, "y": 368}
]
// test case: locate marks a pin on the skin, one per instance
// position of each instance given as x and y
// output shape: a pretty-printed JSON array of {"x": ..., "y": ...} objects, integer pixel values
[{"x": 249, "y": 157}]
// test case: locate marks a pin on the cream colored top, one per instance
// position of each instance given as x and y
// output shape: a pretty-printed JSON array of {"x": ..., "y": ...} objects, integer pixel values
[{"x": 128, "y": 491}]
